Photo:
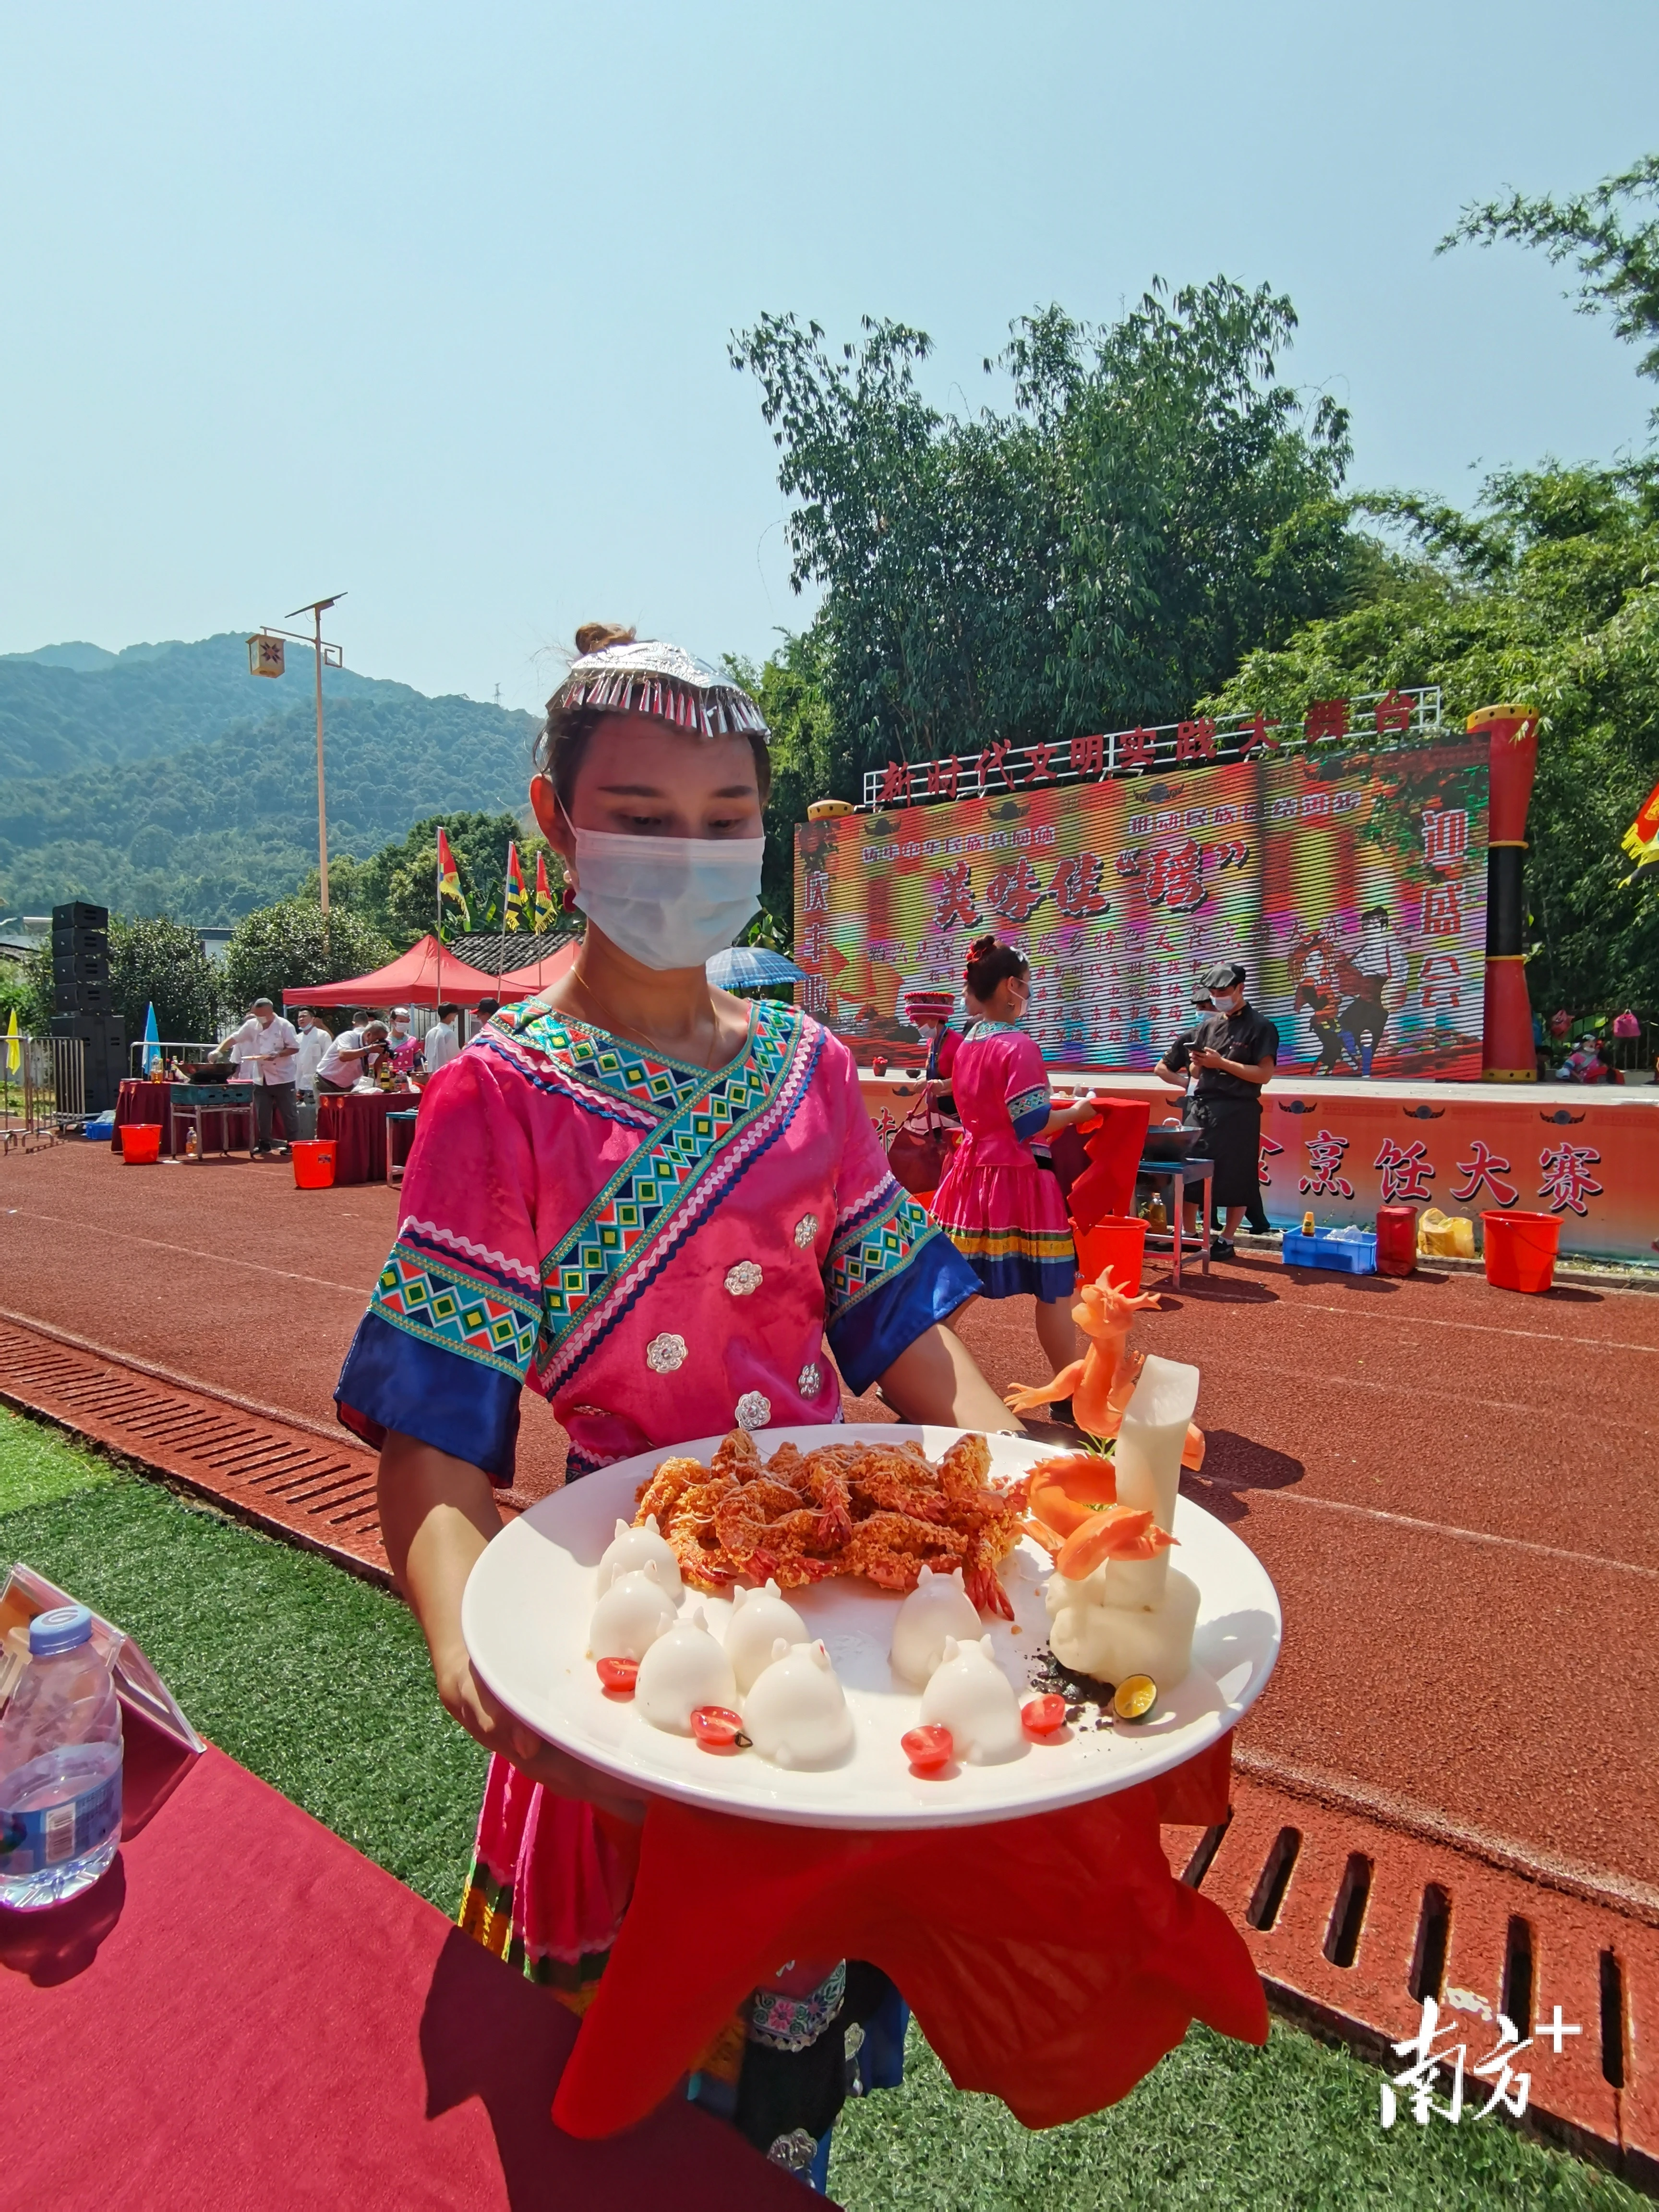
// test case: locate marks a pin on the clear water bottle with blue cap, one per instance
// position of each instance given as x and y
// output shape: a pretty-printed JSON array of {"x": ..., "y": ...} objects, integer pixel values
[{"x": 60, "y": 1765}]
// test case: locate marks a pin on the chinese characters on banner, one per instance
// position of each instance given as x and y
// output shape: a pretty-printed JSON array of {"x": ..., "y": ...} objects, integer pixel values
[{"x": 1350, "y": 884}]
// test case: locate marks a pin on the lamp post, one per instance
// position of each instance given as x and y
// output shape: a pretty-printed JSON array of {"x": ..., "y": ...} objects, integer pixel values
[{"x": 265, "y": 658}]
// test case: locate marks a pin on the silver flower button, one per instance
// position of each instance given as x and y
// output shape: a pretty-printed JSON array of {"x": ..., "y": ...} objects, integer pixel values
[
  {"x": 665, "y": 1353},
  {"x": 743, "y": 1279},
  {"x": 806, "y": 1230},
  {"x": 809, "y": 1380},
  {"x": 752, "y": 1411}
]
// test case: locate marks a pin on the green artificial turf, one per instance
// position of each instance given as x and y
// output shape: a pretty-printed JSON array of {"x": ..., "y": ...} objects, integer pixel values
[
  {"x": 315, "y": 1681},
  {"x": 1219, "y": 2126},
  {"x": 319, "y": 1684}
]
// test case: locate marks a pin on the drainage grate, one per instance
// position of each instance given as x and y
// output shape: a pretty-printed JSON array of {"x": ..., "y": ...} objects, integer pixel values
[
  {"x": 1351, "y": 1923},
  {"x": 297, "y": 1485}
]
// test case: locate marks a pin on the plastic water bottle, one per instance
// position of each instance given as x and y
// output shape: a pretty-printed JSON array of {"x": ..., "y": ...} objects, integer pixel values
[{"x": 60, "y": 1765}]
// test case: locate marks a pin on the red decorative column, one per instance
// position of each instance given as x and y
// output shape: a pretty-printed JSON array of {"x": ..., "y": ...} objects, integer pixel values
[{"x": 1510, "y": 1053}]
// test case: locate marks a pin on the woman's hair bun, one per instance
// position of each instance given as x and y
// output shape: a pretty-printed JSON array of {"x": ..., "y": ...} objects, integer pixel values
[
  {"x": 593, "y": 637},
  {"x": 989, "y": 963}
]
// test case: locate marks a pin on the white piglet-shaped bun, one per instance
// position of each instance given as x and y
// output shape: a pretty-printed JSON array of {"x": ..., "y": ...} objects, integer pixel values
[
  {"x": 796, "y": 1712},
  {"x": 936, "y": 1608},
  {"x": 760, "y": 1618},
  {"x": 682, "y": 1670},
  {"x": 634, "y": 1611},
  {"x": 632, "y": 1548},
  {"x": 969, "y": 1693}
]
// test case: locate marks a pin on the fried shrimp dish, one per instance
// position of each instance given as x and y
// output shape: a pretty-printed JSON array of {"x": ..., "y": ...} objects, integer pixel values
[{"x": 884, "y": 1511}]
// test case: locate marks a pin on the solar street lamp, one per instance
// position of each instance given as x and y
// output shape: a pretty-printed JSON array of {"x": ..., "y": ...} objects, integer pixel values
[{"x": 265, "y": 657}]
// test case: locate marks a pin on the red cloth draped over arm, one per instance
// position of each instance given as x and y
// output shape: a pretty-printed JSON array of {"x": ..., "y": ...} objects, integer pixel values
[
  {"x": 1115, "y": 1145},
  {"x": 1052, "y": 1961}
]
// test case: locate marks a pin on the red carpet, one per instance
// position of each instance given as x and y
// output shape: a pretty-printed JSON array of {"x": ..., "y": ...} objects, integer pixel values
[{"x": 245, "y": 2013}]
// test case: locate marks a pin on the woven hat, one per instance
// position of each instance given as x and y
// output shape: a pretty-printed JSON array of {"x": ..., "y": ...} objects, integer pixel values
[{"x": 647, "y": 676}]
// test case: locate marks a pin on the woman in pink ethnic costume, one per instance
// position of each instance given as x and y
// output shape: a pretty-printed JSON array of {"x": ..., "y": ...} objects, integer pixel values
[
  {"x": 998, "y": 1204},
  {"x": 666, "y": 1243}
]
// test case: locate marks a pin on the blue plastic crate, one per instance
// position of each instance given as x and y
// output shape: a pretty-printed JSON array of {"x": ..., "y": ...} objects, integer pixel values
[{"x": 1346, "y": 1255}]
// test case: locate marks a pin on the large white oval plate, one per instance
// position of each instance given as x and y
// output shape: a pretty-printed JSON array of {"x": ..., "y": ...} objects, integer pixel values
[{"x": 525, "y": 1616}]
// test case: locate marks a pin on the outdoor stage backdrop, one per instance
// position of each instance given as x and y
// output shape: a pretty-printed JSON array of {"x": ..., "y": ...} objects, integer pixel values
[{"x": 1352, "y": 886}]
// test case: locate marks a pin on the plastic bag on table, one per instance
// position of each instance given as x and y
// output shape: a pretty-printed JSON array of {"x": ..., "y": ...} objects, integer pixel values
[{"x": 1445, "y": 1235}]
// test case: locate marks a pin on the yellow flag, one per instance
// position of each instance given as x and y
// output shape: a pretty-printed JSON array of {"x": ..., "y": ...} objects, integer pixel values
[{"x": 13, "y": 1045}]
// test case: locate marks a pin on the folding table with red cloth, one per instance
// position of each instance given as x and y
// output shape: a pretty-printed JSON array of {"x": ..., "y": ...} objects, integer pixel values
[
  {"x": 245, "y": 2011},
  {"x": 138, "y": 1100},
  {"x": 355, "y": 1121},
  {"x": 1051, "y": 1960}
]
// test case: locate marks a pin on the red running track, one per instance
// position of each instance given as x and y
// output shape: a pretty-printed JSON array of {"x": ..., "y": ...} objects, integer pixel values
[{"x": 1450, "y": 1486}]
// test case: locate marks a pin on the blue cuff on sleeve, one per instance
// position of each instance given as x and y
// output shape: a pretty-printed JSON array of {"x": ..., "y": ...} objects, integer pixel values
[
  {"x": 1029, "y": 1110},
  {"x": 394, "y": 1381},
  {"x": 886, "y": 1319}
]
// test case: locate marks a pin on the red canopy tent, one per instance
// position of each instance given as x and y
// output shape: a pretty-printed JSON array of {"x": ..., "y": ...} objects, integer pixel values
[
  {"x": 527, "y": 982},
  {"x": 426, "y": 975}
]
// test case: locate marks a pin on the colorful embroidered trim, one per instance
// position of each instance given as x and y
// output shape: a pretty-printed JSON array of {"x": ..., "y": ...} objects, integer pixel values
[
  {"x": 440, "y": 1305},
  {"x": 1048, "y": 1248},
  {"x": 486, "y": 1915},
  {"x": 603, "y": 1063},
  {"x": 879, "y": 1243},
  {"x": 787, "y": 2023},
  {"x": 624, "y": 1238},
  {"x": 1038, "y": 1099}
]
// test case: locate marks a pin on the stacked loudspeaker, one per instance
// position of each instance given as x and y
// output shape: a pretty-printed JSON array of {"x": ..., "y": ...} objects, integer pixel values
[{"x": 82, "y": 1006}]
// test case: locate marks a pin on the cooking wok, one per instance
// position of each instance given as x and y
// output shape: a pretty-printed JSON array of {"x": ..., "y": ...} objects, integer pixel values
[{"x": 1170, "y": 1143}]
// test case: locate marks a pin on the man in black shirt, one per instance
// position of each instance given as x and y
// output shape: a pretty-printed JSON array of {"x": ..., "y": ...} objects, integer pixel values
[{"x": 1235, "y": 1051}]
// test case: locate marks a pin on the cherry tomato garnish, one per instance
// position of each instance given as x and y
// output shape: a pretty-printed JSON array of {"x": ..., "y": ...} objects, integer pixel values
[
  {"x": 928, "y": 1749},
  {"x": 718, "y": 1728},
  {"x": 619, "y": 1675},
  {"x": 1043, "y": 1716}
]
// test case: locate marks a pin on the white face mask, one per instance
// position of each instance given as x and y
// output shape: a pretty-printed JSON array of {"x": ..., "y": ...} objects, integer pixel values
[
  {"x": 1228, "y": 1002},
  {"x": 671, "y": 901}
]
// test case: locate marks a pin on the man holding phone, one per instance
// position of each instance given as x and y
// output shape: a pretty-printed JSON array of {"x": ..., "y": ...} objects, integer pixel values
[{"x": 1233, "y": 1051}]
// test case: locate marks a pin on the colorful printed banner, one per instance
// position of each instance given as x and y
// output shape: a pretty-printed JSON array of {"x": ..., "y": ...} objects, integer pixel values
[{"x": 1352, "y": 885}]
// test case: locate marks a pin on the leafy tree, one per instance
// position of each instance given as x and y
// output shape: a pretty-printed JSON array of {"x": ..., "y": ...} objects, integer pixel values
[
  {"x": 806, "y": 766},
  {"x": 1153, "y": 505},
  {"x": 1548, "y": 594},
  {"x": 19, "y": 987},
  {"x": 284, "y": 946},
  {"x": 1618, "y": 266},
  {"x": 161, "y": 963}
]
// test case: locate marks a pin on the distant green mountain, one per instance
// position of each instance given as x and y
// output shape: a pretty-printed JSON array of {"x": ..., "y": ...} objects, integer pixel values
[
  {"x": 66, "y": 706},
  {"x": 156, "y": 784}
]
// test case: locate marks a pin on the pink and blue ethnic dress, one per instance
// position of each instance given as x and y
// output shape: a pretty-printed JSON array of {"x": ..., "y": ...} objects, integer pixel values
[
  {"x": 998, "y": 1206},
  {"x": 662, "y": 1253}
]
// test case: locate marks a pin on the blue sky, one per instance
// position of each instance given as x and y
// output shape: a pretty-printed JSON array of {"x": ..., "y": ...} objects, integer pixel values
[{"x": 431, "y": 304}]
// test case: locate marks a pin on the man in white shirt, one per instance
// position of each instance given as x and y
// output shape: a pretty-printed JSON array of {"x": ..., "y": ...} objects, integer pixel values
[
  {"x": 442, "y": 1039},
  {"x": 267, "y": 1056},
  {"x": 353, "y": 1053},
  {"x": 314, "y": 1042}
]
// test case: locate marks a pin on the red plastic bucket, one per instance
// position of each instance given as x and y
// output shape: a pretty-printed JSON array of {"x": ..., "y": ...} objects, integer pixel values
[
  {"x": 314, "y": 1163},
  {"x": 141, "y": 1143},
  {"x": 1396, "y": 1239},
  {"x": 1520, "y": 1249},
  {"x": 1118, "y": 1242}
]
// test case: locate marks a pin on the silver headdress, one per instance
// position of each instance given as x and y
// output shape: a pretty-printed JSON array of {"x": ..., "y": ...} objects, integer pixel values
[{"x": 646, "y": 676}]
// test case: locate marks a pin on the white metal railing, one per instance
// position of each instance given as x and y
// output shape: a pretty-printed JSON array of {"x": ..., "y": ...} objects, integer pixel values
[
  {"x": 44, "y": 1093},
  {"x": 1374, "y": 717},
  {"x": 169, "y": 1048}
]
